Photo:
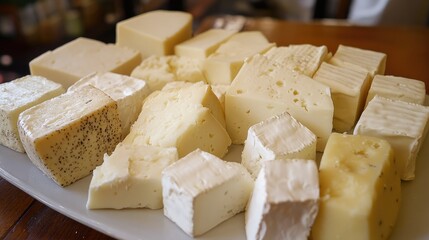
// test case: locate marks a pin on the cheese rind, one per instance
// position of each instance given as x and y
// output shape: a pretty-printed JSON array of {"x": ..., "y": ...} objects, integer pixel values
[
  {"x": 66, "y": 136},
  {"x": 200, "y": 191},
  {"x": 17, "y": 96}
]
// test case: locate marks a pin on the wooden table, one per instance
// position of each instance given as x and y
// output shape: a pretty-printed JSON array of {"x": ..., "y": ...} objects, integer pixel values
[{"x": 407, "y": 49}]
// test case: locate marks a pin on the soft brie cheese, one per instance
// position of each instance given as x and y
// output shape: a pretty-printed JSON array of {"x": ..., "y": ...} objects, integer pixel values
[
  {"x": 128, "y": 93},
  {"x": 200, "y": 191},
  {"x": 360, "y": 189},
  {"x": 278, "y": 137},
  {"x": 285, "y": 200},
  {"x": 402, "y": 124},
  {"x": 66, "y": 136},
  {"x": 17, "y": 96},
  {"x": 130, "y": 178}
]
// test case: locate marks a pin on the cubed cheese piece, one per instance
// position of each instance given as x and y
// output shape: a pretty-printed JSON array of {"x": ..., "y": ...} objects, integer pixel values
[
  {"x": 402, "y": 124},
  {"x": 17, "y": 96},
  {"x": 203, "y": 44},
  {"x": 223, "y": 65},
  {"x": 160, "y": 70},
  {"x": 349, "y": 88},
  {"x": 200, "y": 191},
  {"x": 220, "y": 92},
  {"x": 263, "y": 89},
  {"x": 278, "y": 137},
  {"x": 285, "y": 200},
  {"x": 66, "y": 136},
  {"x": 399, "y": 88},
  {"x": 360, "y": 59},
  {"x": 155, "y": 32},
  {"x": 130, "y": 178},
  {"x": 82, "y": 56},
  {"x": 303, "y": 58},
  {"x": 128, "y": 92},
  {"x": 187, "y": 118},
  {"x": 360, "y": 189}
]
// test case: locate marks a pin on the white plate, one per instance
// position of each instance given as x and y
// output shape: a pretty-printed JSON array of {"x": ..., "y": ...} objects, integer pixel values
[{"x": 151, "y": 224}]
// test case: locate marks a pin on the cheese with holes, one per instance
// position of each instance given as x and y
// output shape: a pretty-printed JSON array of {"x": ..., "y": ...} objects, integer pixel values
[
  {"x": 82, "y": 56},
  {"x": 201, "y": 191},
  {"x": 130, "y": 178},
  {"x": 285, "y": 200},
  {"x": 154, "y": 32},
  {"x": 66, "y": 136},
  {"x": 17, "y": 96},
  {"x": 278, "y": 137},
  {"x": 360, "y": 189},
  {"x": 128, "y": 93},
  {"x": 402, "y": 124},
  {"x": 348, "y": 89}
]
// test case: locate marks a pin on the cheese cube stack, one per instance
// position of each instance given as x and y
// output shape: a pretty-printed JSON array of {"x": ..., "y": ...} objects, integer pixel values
[
  {"x": 128, "y": 93},
  {"x": 263, "y": 89},
  {"x": 130, "y": 178},
  {"x": 402, "y": 124},
  {"x": 278, "y": 137},
  {"x": 17, "y": 96},
  {"x": 223, "y": 65},
  {"x": 360, "y": 189},
  {"x": 82, "y": 56},
  {"x": 200, "y": 191},
  {"x": 154, "y": 32},
  {"x": 66, "y": 136},
  {"x": 349, "y": 88},
  {"x": 285, "y": 200},
  {"x": 398, "y": 88}
]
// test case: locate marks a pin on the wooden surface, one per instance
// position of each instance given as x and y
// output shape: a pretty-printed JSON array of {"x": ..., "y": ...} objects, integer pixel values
[{"x": 22, "y": 217}]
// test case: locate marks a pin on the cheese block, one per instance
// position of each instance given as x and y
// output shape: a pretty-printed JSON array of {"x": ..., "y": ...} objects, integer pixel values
[
  {"x": 402, "y": 124},
  {"x": 160, "y": 70},
  {"x": 285, "y": 200},
  {"x": 399, "y": 88},
  {"x": 360, "y": 59},
  {"x": 278, "y": 137},
  {"x": 263, "y": 89},
  {"x": 130, "y": 178},
  {"x": 186, "y": 118},
  {"x": 154, "y": 32},
  {"x": 82, "y": 56},
  {"x": 223, "y": 65},
  {"x": 200, "y": 191},
  {"x": 66, "y": 136},
  {"x": 220, "y": 92},
  {"x": 203, "y": 44},
  {"x": 303, "y": 58},
  {"x": 17, "y": 96},
  {"x": 360, "y": 189},
  {"x": 349, "y": 88},
  {"x": 128, "y": 93}
]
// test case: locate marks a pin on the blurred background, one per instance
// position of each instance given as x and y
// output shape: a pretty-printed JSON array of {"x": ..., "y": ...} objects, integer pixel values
[{"x": 30, "y": 27}]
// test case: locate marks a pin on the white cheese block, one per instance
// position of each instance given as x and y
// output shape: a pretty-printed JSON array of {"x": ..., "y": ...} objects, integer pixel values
[
  {"x": 349, "y": 88},
  {"x": 17, "y": 96},
  {"x": 285, "y": 200},
  {"x": 128, "y": 92},
  {"x": 154, "y": 32},
  {"x": 278, "y": 137},
  {"x": 303, "y": 58},
  {"x": 223, "y": 65},
  {"x": 82, "y": 56},
  {"x": 66, "y": 136},
  {"x": 402, "y": 124},
  {"x": 399, "y": 88},
  {"x": 130, "y": 178},
  {"x": 263, "y": 89},
  {"x": 360, "y": 189},
  {"x": 203, "y": 44},
  {"x": 200, "y": 191}
]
